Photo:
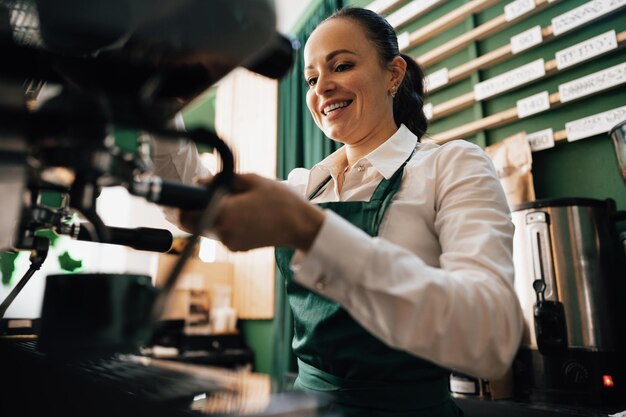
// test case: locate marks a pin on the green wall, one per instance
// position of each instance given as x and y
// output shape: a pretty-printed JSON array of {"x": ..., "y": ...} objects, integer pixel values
[
  {"x": 585, "y": 168},
  {"x": 258, "y": 334}
]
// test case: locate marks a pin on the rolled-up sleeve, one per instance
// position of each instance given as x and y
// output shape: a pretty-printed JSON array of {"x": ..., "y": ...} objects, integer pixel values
[{"x": 176, "y": 160}]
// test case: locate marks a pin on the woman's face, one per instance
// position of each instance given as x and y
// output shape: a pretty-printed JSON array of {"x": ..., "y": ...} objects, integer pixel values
[{"x": 348, "y": 93}]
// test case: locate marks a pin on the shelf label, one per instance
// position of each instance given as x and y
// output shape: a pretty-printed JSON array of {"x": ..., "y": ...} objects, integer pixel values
[
  {"x": 404, "y": 39},
  {"x": 509, "y": 80},
  {"x": 436, "y": 79},
  {"x": 583, "y": 14},
  {"x": 594, "y": 125},
  {"x": 533, "y": 104},
  {"x": 587, "y": 49},
  {"x": 518, "y": 8},
  {"x": 526, "y": 39},
  {"x": 428, "y": 111},
  {"x": 543, "y": 139},
  {"x": 403, "y": 14},
  {"x": 593, "y": 83}
]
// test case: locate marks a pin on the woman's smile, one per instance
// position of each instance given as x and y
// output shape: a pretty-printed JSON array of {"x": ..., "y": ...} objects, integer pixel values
[
  {"x": 334, "y": 111},
  {"x": 335, "y": 106}
]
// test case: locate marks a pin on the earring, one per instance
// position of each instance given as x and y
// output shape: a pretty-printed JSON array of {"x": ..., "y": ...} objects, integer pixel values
[{"x": 393, "y": 91}]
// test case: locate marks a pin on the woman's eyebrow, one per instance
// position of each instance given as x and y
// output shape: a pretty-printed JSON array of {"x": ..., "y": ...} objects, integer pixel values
[{"x": 334, "y": 54}]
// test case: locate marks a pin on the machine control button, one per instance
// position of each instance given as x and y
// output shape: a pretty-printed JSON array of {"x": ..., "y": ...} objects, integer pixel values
[{"x": 576, "y": 373}]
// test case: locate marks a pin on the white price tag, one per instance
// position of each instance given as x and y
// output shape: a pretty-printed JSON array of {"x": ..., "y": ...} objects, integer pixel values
[
  {"x": 518, "y": 8},
  {"x": 594, "y": 125},
  {"x": 404, "y": 40},
  {"x": 509, "y": 80},
  {"x": 526, "y": 39},
  {"x": 593, "y": 83},
  {"x": 413, "y": 8},
  {"x": 543, "y": 139},
  {"x": 428, "y": 111},
  {"x": 587, "y": 49},
  {"x": 462, "y": 387},
  {"x": 533, "y": 104},
  {"x": 583, "y": 14},
  {"x": 436, "y": 79}
]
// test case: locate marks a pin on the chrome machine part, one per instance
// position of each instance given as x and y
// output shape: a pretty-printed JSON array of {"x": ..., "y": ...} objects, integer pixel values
[
  {"x": 571, "y": 244},
  {"x": 12, "y": 183},
  {"x": 618, "y": 135}
]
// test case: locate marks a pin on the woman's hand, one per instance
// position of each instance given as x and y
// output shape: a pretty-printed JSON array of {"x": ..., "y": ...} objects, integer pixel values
[{"x": 263, "y": 212}]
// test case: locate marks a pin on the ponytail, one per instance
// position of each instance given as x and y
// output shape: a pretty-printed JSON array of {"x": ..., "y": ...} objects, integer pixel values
[{"x": 408, "y": 105}]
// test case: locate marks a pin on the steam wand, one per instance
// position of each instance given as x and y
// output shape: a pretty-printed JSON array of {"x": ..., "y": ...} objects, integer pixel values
[{"x": 37, "y": 257}]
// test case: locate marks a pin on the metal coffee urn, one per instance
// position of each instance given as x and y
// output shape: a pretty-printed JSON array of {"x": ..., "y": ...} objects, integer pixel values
[{"x": 570, "y": 277}]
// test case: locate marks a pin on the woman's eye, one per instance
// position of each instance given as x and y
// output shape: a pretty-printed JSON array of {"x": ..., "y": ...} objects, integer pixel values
[
  {"x": 311, "y": 81},
  {"x": 342, "y": 67}
]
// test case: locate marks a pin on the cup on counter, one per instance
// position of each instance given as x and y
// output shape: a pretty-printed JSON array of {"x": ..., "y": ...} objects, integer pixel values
[
  {"x": 96, "y": 313},
  {"x": 223, "y": 320}
]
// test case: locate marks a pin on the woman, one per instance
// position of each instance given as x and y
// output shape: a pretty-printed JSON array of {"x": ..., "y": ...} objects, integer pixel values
[{"x": 398, "y": 267}]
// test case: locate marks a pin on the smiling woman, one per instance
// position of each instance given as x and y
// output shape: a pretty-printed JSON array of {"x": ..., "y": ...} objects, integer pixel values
[
  {"x": 354, "y": 74},
  {"x": 389, "y": 248}
]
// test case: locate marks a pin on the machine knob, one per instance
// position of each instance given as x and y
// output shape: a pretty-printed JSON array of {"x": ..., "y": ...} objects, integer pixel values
[{"x": 576, "y": 373}]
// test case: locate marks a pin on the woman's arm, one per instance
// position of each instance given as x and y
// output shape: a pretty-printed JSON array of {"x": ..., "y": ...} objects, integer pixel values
[
  {"x": 177, "y": 159},
  {"x": 463, "y": 314}
]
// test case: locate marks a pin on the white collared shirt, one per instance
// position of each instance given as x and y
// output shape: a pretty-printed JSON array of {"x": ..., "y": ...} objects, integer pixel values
[{"x": 438, "y": 280}]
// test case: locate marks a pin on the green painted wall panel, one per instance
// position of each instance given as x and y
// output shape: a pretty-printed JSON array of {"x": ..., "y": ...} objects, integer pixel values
[
  {"x": 258, "y": 335},
  {"x": 586, "y": 168}
]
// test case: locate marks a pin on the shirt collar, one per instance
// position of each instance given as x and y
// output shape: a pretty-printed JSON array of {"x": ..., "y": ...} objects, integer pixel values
[
  {"x": 333, "y": 163},
  {"x": 389, "y": 156},
  {"x": 386, "y": 159}
]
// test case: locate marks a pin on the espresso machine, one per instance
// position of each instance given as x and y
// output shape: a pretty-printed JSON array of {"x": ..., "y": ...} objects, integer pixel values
[
  {"x": 131, "y": 65},
  {"x": 570, "y": 279},
  {"x": 128, "y": 65}
]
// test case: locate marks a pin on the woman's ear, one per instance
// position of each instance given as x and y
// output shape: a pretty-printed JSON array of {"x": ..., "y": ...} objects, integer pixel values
[{"x": 397, "y": 68}]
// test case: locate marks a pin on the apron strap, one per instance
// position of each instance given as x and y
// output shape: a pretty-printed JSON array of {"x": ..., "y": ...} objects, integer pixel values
[
  {"x": 319, "y": 188},
  {"x": 386, "y": 186}
]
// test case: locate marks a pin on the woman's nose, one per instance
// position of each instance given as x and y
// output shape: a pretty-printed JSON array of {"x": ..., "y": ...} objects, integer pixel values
[{"x": 324, "y": 84}]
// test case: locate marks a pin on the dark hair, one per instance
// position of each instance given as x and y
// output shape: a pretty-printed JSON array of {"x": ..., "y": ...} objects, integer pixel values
[{"x": 408, "y": 105}]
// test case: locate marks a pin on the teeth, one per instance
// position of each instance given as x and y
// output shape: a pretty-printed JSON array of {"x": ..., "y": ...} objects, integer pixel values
[{"x": 335, "y": 106}]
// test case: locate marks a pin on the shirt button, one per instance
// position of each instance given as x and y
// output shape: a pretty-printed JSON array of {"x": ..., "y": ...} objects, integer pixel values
[{"x": 360, "y": 168}]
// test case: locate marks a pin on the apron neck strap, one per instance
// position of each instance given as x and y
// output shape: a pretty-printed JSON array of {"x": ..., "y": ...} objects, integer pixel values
[{"x": 386, "y": 185}]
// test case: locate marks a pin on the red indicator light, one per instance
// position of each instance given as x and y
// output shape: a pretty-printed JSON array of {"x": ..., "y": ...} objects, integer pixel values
[{"x": 607, "y": 381}]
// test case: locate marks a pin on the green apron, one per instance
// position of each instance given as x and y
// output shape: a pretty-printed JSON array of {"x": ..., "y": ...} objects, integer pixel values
[{"x": 338, "y": 356}]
